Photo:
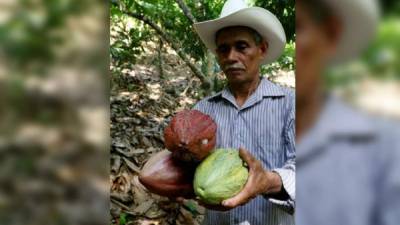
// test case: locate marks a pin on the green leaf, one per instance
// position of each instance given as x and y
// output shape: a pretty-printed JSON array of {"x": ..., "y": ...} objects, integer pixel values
[{"x": 122, "y": 219}]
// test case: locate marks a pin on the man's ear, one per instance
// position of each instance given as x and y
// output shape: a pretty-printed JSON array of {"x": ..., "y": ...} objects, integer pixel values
[
  {"x": 334, "y": 30},
  {"x": 263, "y": 49}
]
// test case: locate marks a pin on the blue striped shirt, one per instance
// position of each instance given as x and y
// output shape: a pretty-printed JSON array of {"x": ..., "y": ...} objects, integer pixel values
[
  {"x": 264, "y": 125},
  {"x": 348, "y": 169}
]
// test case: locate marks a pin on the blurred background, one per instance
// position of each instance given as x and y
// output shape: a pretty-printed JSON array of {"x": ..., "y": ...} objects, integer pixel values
[
  {"x": 54, "y": 112},
  {"x": 347, "y": 112},
  {"x": 372, "y": 81}
]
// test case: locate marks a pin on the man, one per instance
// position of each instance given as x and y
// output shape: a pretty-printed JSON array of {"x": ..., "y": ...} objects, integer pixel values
[
  {"x": 347, "y": 162},
  {"x": 252, "y": 114}
]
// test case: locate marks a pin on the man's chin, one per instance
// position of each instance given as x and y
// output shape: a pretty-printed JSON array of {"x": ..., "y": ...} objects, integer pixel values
[
  {"x": 234, "y": 73},
  {"x": 235, "y": 76},
  {"x": 237, "y": 82},
  {"x": 234, "y": 80}
]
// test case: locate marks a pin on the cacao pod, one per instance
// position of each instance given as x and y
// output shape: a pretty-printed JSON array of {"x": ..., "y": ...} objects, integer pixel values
[
  {"x": 220, "y": 176},
  {"x": 164, "y": 175},
  {"x": 191, "y": 135}
]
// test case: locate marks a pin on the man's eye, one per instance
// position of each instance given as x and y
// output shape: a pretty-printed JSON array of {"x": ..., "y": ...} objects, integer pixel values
[
  {"x": 222, "y": 49},
  {"x": 241, "y": 47}
]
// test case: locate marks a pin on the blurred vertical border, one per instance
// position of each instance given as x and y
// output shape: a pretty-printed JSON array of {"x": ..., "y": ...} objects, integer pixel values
[{"x": 54, "y": 112}]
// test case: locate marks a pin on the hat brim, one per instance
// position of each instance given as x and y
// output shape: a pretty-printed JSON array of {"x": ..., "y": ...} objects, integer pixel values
[
  {"x": 259, "y": 19},
  {"x": 359, "y": 21}
]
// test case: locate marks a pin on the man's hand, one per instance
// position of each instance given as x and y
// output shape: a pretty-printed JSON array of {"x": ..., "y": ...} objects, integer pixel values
[
  {"x": 260, "y": 181},
  {"x": 182, "y": 200}
]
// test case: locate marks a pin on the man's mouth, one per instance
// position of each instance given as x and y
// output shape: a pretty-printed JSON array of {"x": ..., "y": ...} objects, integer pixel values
[{"x": 234, "y": 68}]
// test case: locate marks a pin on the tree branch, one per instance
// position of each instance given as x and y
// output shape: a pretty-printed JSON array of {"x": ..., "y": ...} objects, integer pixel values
[
  {"x": 186, "y": 11},
  {"x": 206, "y": 82}
]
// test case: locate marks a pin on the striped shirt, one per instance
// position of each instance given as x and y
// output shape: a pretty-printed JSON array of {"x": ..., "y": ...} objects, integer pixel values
[
  {"x": 264, "y": 125},
  {"x": 348, "y": 169}
]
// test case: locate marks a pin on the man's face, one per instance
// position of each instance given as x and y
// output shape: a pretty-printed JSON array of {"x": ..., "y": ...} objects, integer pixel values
[
  {"x": 316, "y": 42},
  {"x": 238, "y": 54}
]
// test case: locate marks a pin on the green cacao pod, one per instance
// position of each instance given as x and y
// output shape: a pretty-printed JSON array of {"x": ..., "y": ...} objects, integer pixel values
[{"x": 220, "y": 176}]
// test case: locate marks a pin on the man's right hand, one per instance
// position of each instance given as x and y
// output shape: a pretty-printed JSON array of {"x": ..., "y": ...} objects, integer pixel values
[{"x": 214, "y": 207}]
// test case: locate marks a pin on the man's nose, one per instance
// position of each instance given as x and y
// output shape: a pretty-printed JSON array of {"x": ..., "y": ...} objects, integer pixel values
[{"x": 231, "y": 56}]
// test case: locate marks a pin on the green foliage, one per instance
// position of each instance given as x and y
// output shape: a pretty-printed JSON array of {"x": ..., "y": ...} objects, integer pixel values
[
  {"x": 384, "y": 54},
  {"x": 284, "y": 11},
  {"x": 122, "y": 219},
  {"x": 31, "y": 33},
  {"x": 286, "y": 61},
  {"x": 379, "y": 61},
  {"x": 126, "y": 38},
  {"x": 170, "y": 18},
  {"x": 390, "y": 7},
  {"x": 191, "y": 207},
  {"x": 167, "y": 15}
]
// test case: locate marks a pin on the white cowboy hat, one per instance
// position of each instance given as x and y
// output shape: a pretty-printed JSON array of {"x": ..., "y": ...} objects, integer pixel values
[
  {"x": 359, "y": 20},
  {"x": 237, "y": 13}
]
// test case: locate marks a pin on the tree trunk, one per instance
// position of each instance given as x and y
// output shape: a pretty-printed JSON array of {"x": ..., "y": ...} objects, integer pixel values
[
  {"x": 160, "y": 62},
  {"x": 186, "y": 11},
  {"x": 206, "y": 83},
  {"x": 210, "y": 63}
]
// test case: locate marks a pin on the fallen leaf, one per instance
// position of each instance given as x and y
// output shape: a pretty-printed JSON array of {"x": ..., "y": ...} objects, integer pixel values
[
  {"x": 143, "y": 207},
  {"x": 132, "y": 166}
]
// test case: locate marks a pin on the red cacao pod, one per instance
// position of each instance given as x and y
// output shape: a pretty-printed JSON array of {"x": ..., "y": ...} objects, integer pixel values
[
  {"x": 191, "y": 135},
  {"x": 164, "y": 175}
]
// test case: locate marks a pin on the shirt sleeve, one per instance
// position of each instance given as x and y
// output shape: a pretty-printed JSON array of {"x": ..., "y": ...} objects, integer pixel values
[
  {"x": 287, "y": 172},
  {"x": 201, "y": 106}
]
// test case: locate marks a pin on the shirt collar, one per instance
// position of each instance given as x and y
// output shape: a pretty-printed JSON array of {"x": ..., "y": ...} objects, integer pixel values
[
  {"x": 337, "y": 121},
  {"x": 269, "y": 89},
  {"x": 339, "y": 118},
  {"x": 265, "y": 89}
]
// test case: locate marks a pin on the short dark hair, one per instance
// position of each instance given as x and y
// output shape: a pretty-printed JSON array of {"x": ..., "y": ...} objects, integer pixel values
[{"x": 258, "y": 39}]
